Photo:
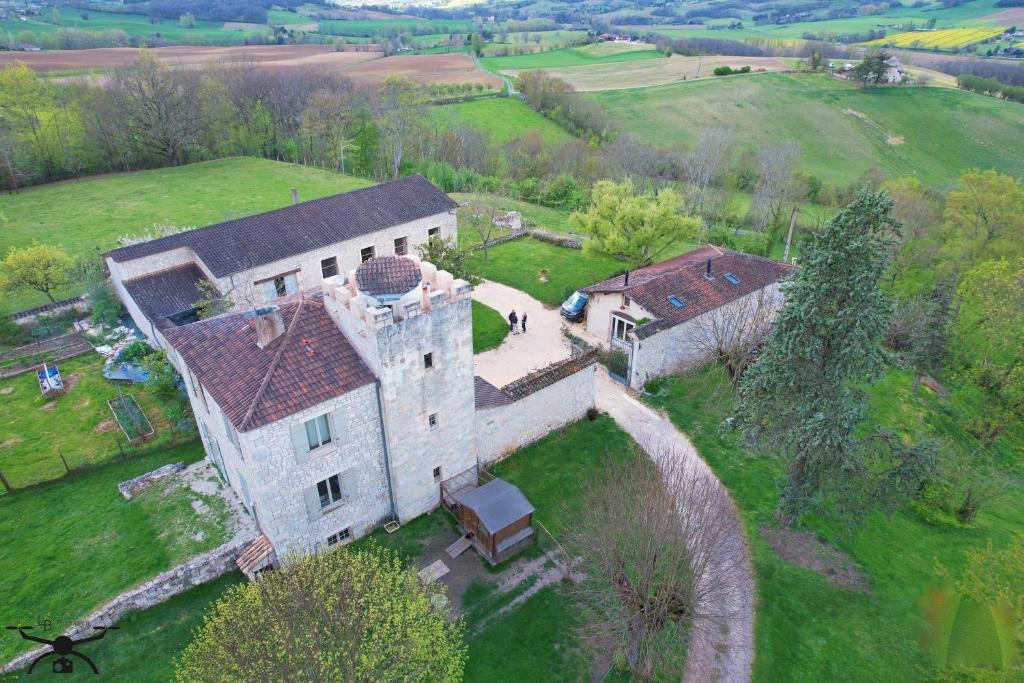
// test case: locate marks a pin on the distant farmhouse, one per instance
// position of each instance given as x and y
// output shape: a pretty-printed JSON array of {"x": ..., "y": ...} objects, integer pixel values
[
  {"x": 665, "y": 318},
  {"x": 339, "y": 395}
]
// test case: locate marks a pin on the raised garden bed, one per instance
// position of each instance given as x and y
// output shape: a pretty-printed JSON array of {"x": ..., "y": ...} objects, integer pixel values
[{"x": 132, "y": 420}]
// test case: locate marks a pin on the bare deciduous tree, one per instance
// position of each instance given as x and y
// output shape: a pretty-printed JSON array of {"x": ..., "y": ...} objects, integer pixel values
[
  {"x": 703, "y": 168},
  {"x": 484, "y": 224},
  {"x": 660, "y": 559},
  {"x": 774, "y": 167},
  {"x": 728, "y": 334}
]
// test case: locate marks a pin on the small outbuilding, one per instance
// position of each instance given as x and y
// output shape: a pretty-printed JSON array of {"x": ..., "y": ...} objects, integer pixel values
[{"x": 497, "y": 518}]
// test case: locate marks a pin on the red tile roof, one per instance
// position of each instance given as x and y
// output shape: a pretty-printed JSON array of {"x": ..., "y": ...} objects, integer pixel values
[
  {"x": 683, "y": 278},
  {"x": 310, "y": 363}
]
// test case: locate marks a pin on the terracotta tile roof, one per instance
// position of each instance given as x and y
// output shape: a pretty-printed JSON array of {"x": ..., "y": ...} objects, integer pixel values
[
  {"x": 254, "y": 554},
  {"x": 237, "y": 245},
  {"x": 545, "y": 377},
  {"x": 489, "y": 396},
  {"x": 310, "y": 363},
  {"x": 683, "y": 278},
  {"x": 386, "y": 275},
  {"x": 167, "y": 292}
]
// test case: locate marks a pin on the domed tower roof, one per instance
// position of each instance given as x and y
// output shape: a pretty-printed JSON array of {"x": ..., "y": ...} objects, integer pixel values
[{"x": 388, "y": 276}]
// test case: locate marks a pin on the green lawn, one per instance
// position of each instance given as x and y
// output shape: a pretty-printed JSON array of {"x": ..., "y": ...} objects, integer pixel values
[
  {"x": 212, "y": 32},
  {"x": 489, "y": 328},
  {"x": 571, "y": 56},
  {"x": 841, "y": 130},
  {"x": 144, "y": 648},
  {"x": 547, "y": 218},
  {"x": 503, "y": 117},
  {"x": 79, "y": 424},
  {"x": 71, "y": 545},
  {"x": 546, "y": 272},
  {"x": 85, "y": 217},
  {"x": 808, "y": 629},
  {"x": 385, "y": 27}
]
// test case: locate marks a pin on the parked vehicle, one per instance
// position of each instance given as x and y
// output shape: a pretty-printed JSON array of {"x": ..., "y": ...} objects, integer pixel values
[{"x": 575, "y": 307}]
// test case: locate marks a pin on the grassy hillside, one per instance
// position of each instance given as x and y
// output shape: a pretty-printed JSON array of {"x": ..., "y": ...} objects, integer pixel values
[
  {"x": 842, "y": 130},
  {"x": 808, "y": 628},
  {"x": 87, "y": 216},
  {"x": 504, "y": 117},
  {"x": 573, "y": 56}
]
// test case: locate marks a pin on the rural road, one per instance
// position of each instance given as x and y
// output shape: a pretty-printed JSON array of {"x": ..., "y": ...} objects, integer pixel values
[
  {"x": 715, "y": 654},
  {"x": 509, "y": 84}
]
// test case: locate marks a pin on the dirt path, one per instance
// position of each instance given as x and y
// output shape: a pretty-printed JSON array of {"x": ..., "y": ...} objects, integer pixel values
[
  {"x": 542, "y": 344},
  {"x": 714, "y": 655}
]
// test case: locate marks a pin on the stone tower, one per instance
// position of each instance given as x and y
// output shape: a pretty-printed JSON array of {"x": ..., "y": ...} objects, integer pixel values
[{"x": 412, "y": 325}]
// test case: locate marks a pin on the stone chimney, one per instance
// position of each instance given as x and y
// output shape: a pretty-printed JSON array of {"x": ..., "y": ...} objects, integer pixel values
[
  {"x": 269, "y": 325},
  {"x": 295, "y": 195}
]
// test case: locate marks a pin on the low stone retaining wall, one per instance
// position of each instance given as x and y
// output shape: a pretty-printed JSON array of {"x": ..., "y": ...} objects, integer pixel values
[
  {"x": 556, "y": 239},
  {"x": 30, "y": 314},
  {"x": 198, "y": 570},
  {"x": 507, "y": 237},
  {"x": 140, "y": 483}
]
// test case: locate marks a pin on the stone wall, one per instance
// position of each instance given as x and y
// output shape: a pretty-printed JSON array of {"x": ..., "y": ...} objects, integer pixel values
[
  {"x": 129, "y": 488},
  {"x": 30, "y": 315},
  {"x": 198, "y": 570},
  {"x": 537, "y": 409}
]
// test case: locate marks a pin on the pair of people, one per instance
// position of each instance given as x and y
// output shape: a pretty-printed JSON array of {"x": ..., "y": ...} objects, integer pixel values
[{"x": 513, "y": 319}]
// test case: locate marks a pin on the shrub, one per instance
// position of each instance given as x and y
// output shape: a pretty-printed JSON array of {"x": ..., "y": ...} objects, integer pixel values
[
  {"x": 135, "y": 352},
  {"x": 593, "y": 413}
]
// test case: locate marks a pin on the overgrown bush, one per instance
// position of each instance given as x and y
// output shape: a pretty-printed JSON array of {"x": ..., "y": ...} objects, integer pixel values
[
  {"x": 106, "y": 307},
  {"x": 135, "y": 352}
]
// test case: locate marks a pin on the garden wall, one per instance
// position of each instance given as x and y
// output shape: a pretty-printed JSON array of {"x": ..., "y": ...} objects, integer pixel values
[
  {"x": 198, "y": 570},
  {"x": 537, "y": 404}
]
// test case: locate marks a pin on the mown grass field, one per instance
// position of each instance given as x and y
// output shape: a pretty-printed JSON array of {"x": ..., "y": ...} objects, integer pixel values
[
  {"x": 807, "y": 628},
  {"x": 211, "y": 32},
  {"x": 842, "y": 130},
  {"x": 597, "y": 53},
  {"x": 385, "y": 27},
  {"x": 503, "y": 117},
  {"x": 71, "y": 545},
  {"x": 86, "y": 217}
]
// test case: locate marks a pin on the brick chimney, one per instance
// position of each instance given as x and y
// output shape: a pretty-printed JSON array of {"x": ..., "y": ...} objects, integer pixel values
[{"x": 269, "y": 325}]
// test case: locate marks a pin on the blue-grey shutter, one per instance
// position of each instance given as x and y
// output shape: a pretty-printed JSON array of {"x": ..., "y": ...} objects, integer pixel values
[
  {"x": 300, "y": 443},
  {"x": 269, "y": 291},
  {"x": 349, "y": 483},
  {"x": 339, "y": 434},
  {"x": 291, "y": 283},
  {"x": 312, "y": 501}
]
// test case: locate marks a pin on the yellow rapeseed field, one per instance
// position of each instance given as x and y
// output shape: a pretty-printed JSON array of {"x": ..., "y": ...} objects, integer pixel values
[{"x": 945, "y": 39}]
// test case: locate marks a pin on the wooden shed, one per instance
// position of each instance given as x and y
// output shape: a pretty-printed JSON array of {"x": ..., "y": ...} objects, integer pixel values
[{"x": 497, "y": 518}]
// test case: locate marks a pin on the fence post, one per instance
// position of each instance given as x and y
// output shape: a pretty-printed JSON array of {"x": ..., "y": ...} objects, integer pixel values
[
  {"x": 7, "y": 484},
  {"x": 64, "y": 460}
]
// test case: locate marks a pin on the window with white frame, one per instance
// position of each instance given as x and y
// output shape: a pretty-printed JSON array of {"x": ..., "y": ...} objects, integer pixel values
[
  {"x": 433, "y": 232},
  {"x": 437, "y": 474},
  {"x": 428, "y": 360},
  {"x": 340, "y": 537},
  {"x": 318, "y": 432},
  {"x": 329, "y": 267},
  {"x": 329, "y": 490},
  {"x": 432, "y": 420},
  {"x": 401, "y": 246},
  {"x": 366, "y": 253}
]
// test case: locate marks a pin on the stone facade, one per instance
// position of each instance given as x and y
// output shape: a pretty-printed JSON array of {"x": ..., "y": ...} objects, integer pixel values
[
  {"x": 675, "y": 349},
  {"x": 242, "y": 288},
  {"x": 502, "y": 430}
]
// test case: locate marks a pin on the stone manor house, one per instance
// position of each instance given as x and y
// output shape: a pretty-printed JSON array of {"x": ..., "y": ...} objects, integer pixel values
[{"x": 338, "y": 393}]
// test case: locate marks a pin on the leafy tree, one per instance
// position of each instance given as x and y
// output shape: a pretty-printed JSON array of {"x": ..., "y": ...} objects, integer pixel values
[
  {"x": 213, "y": 302},
  {"x": 872, "y": 68},
  {"x": 988, "y": 336},
  {"x": 341, "y": 615},
  {"x": 477, "y": 43},
  {"x": 401, "y": 113},
  {"x": 984, "y": 217},
  {"x": 805, "y": 397},
  {"x": 446, "y": 255},
  {"x": 637, "y": 228},
  {"x": 41, "y": 267}
]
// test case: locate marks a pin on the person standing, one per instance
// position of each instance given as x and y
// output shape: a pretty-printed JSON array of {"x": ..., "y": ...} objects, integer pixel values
[
  {"x": 523, "y": 322},
  {"x": 512, "y": 320}
]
